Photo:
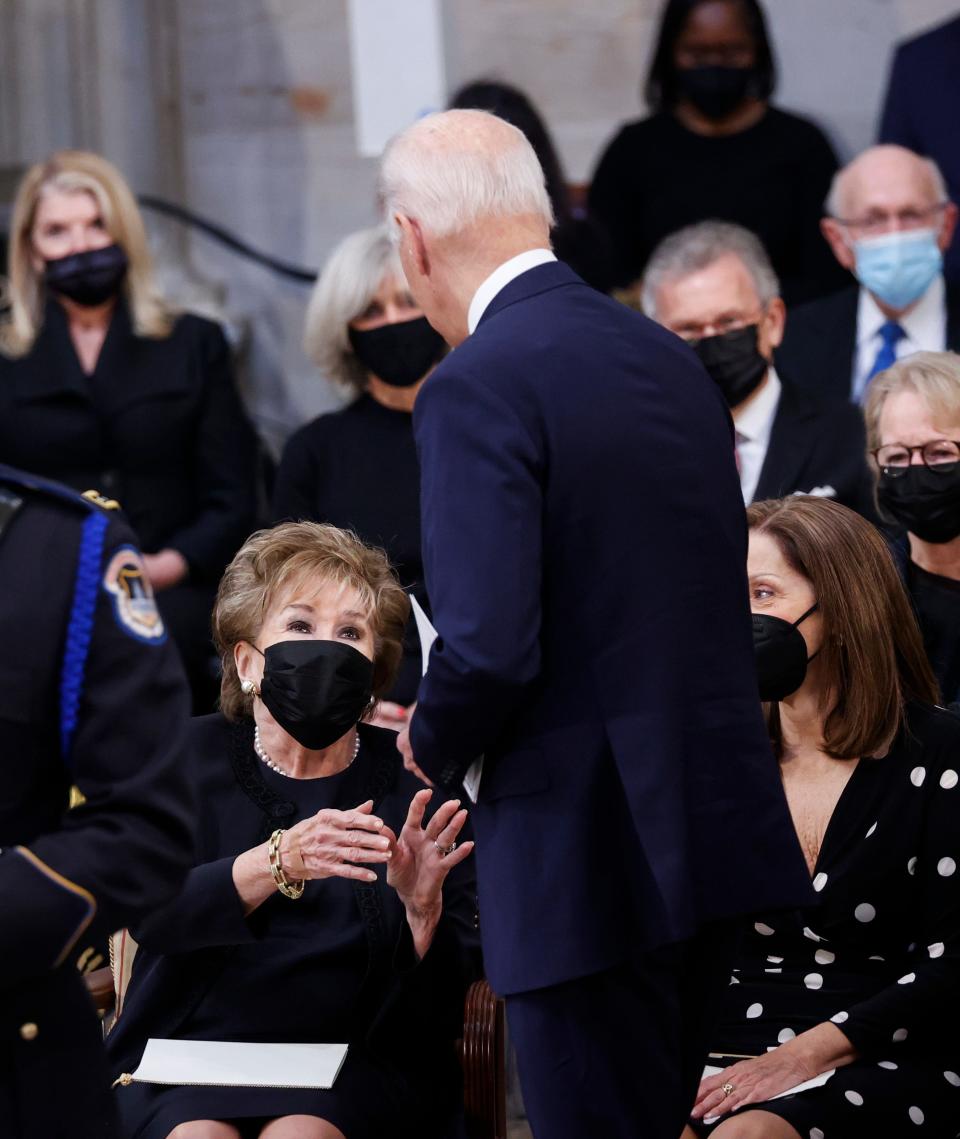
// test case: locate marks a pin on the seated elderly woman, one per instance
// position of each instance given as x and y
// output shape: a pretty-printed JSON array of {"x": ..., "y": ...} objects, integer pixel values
[
  {"x": 913, "y": 428},
  {"x": 358, "y": 467},
  {"x": 867, "y": 981},
  {"x": 318, "y": 909}
]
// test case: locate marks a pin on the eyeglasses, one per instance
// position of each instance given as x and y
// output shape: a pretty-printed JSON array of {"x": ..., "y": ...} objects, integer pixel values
[
  {"x": 694, "y": 333},
  {"x": 940, "y": 455},
  {"x": 877, "y": 223}
]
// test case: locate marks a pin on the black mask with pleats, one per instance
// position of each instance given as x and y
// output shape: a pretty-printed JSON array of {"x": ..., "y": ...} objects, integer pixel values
[
  {"x": 716, "y": 91},
  {"x": 734, "y": 362},
  {"x": 89, "y": 278},
  {"x": 400, "y": 354},
  {"x": 925, "y": 502},
  {"x": 315, "y": 690}
]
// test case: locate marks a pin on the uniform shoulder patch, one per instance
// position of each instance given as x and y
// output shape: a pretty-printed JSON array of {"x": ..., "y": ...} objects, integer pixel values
[{"x": 134, "y": 606}]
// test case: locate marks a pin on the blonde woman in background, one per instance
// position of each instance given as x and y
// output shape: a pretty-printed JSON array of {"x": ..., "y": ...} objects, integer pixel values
[{"x": 102, "y": 385}]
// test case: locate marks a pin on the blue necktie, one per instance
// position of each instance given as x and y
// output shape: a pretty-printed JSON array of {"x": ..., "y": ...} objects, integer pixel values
[{"x": 890, "y": 336}]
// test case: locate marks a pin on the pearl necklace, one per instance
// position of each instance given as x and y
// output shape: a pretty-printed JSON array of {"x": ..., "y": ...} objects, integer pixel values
[{"x": 259, "y": 749}]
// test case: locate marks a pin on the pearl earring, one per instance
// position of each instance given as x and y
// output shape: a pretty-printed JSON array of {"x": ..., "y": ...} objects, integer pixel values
[{"x": 248, "y": 688}]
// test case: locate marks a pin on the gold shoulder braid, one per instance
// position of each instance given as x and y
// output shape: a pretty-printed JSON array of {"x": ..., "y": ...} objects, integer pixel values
[
  {"x": 289, "y": 889},
  {"x": 101, "y": 500}
]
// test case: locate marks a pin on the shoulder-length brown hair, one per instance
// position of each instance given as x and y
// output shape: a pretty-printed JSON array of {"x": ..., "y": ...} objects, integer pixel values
[
  {"x": 873, "y": 661},
  {"x": 78, "y": 171}
]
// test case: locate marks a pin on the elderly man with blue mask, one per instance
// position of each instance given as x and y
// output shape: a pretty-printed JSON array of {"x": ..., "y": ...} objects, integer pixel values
[{"x": 889, "y": 221}]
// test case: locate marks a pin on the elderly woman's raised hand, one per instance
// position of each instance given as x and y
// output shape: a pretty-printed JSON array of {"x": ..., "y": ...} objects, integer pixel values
[
  {"x": 422, "y": 858},
  {"x": 330, "y": 843}
]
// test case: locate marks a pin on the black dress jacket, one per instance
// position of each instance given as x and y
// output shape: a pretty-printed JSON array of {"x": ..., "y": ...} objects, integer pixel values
[
  {"x": 158, "y": 426},
  {"x": 817, "y": 447},
  {"x": 408, "y": 1013},
  {"x": 91, "y": 695},
  {"x": 820, "y": 343}
]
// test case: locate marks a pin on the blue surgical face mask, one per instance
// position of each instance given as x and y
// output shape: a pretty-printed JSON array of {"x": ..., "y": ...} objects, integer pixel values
[{"x": 898, "y": 267}]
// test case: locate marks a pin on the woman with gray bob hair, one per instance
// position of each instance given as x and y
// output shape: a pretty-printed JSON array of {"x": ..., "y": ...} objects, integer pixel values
[{"x": 357, "y": 467}]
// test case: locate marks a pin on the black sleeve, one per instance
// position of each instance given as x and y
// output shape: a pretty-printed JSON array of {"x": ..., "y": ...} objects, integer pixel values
[
  {"x": 296, "y": 493},
  {"x": 128, "y": 846},
  {"x": 614, "y": 201},
  {"x": 225, "y": 467},
  {"x": 924, "y": 1004}
]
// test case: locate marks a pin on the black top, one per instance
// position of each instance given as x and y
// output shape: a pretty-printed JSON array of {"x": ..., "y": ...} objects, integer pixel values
[
  {"x": 657, "y": 176},
  {"x": 936, "y": 601},
  {"x": 357, "y": 468},
  {"x": 880, "y": 954},
  {"x": 158, "y": 426},
  {"x": 336, "y": 965}
]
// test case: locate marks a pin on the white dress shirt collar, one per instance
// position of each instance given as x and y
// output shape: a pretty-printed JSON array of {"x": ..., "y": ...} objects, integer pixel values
[
  {"x": 753, "y": 425},
  {"x": 923, "y": 324},
  {"x": 500, "y": 278}
]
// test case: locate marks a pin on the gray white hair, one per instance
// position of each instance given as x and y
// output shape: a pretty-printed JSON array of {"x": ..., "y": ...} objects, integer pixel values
[
  {"x": 452, "y": 168},
  {"x": 833, "y": 206},
  {"x": 695, "y": 247},
  {"x": 349, "y": 281}
]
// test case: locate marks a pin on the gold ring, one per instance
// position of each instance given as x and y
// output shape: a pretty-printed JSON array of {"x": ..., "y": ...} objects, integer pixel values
[{"x": 728, "y": 1089}]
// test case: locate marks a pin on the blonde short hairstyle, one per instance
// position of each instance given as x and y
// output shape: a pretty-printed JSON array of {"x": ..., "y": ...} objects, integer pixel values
[
  {"x": 350, "y": 280},
  {"x": 934, "y": 376},
  {"x": 72, "y": 172},
  {"x": 273, "y": 562}
]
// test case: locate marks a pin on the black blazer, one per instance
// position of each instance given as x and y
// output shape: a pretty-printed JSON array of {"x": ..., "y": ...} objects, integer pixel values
[
  {"x": 820, "y": 344},
  {"x": 409, "y": 1012},
  {"x": 158, "y": 426},
  {"x": 815, "y": 444}
]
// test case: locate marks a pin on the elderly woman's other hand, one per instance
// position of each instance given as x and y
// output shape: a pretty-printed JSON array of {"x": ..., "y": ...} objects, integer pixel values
[
  {"x": 331, "y": 842},
  {"x": 422, "y": 858}
]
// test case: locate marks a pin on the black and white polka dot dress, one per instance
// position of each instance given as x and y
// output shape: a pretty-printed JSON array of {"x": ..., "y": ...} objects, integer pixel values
[{"x": 879, "y": 955}]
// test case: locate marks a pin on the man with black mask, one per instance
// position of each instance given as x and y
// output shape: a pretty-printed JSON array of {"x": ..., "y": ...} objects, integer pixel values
[{"x": 713, "y": 284}]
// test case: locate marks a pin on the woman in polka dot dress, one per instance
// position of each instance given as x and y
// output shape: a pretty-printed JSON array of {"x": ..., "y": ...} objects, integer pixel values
[{"x": 867, "y": 980}]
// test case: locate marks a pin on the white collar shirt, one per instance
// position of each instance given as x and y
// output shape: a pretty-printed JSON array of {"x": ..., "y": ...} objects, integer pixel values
[
  {"x": 500, "y": 278},
  {"x": 753, "y": 426},
  {"x": 925, "y": 326}
]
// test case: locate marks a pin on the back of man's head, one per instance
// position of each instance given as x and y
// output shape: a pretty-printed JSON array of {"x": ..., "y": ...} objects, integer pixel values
[{"x": 454, "y": 169}]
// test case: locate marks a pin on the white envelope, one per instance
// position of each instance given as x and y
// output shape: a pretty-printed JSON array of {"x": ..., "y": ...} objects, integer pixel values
[
  {"x": 428, "y": 634},
  {"x": 227, "y": 1063}
]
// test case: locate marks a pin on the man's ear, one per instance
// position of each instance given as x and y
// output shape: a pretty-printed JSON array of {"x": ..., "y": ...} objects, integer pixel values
[
  {"x": 832, "y": 230},
  {"x": 413, "y": 246},
  {"x": 948, "y": 226},
  {"x": 772, "y": 325}
]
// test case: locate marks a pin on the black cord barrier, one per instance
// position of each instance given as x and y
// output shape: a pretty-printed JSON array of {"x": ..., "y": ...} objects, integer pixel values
[{"x": 230, "y": 240}]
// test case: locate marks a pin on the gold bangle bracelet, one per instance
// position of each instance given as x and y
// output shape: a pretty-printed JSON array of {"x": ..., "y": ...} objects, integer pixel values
[{"x": 289, "y": 889}]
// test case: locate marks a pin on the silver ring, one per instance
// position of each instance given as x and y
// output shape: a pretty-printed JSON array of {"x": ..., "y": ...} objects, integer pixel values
[{"x": 443, "y": 851}]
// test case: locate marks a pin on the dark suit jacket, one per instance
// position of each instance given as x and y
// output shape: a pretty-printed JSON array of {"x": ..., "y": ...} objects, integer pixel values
[
  {"x": 584, "y": 547},
  {"x": 157, "y": 426},
  {"x": 820, "y": 343},
  {"x": 816, "y": 444},
  {"x": 921, "y": 108}
]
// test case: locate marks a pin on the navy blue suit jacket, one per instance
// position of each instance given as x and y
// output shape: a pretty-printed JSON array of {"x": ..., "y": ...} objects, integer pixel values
[
  {"x": 584, "y": 549},
  {"x": 921, "y": 108}
]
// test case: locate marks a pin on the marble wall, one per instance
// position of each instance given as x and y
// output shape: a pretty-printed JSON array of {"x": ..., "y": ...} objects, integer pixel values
[{"x": 242, "y": 110}]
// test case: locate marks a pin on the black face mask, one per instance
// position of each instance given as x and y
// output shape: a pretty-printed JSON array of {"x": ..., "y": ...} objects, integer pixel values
[
  {"x": 88, "y": 278},
  {"x": 315, "y": 690},
  {"x": 399, "y": 354},
  {"x": 925, "y": 502},
  {"x": 716, "y": 91},
  {"x": 734, "y": 362},
  {"x": 780, "y": 653}
]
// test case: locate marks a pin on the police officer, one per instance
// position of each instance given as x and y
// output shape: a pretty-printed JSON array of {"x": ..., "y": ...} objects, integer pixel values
[{"x": 93, "y": 705}]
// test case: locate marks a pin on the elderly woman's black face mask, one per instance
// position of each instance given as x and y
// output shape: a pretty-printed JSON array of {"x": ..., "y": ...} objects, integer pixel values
[
  {"x": 400, "y": 354},
  {"x": 315, "y": 690}
]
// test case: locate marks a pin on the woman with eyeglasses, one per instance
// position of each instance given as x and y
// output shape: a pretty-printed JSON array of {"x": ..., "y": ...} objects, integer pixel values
[{"x": 913, "y": 431}]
